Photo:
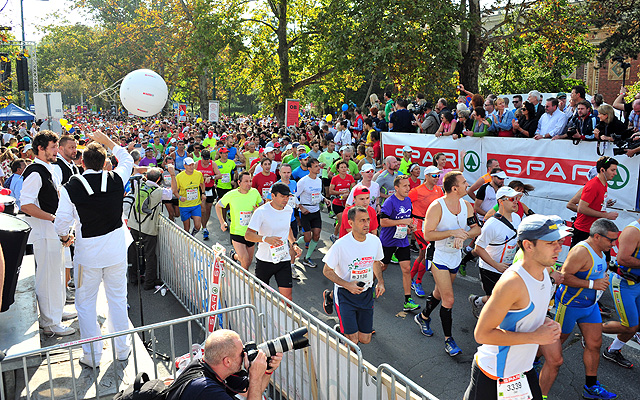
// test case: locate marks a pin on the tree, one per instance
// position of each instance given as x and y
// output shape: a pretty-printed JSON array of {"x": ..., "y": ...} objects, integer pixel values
[{"x": 621, "y": 18}]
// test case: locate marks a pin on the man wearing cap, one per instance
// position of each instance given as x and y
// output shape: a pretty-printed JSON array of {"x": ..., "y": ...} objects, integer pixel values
[
  {"x": 497, "y": 245},
  {"x": 406, "y": 160},
  {"x": 486, "y": 195},
  {"x": 263, "y": 181},
  {"x": 270, "y": 227},
  {"x": 446, "y": 224},
  {"x": 268, "y": 152},
  {"x": 351, "y": 264},
  {"x": 421, "y": 198},
  {"x": 367, "y": 171},
  {"x": 188, "y": 186},
  {"x": 585, "y": 273},
  {"x": 361, "y": 198},
  {"x": 294, "y": 159},
  {"x": 227, "y": 170},
  {"x": 510, "y": 337},
  {"x": 302, "y": 170},
  {"x": 552, "y": 122}
]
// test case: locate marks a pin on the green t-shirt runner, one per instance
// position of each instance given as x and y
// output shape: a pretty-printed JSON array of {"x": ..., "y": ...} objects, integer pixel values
[
  {"x": 328, "y": 159},
  {"x": 226, "y": 169},
  {"x": 242, "y": 206}
]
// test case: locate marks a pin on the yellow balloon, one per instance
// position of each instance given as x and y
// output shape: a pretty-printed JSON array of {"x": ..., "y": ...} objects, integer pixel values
[
  {"x": 157, "y": 122},
  {"x": 63, "y": 122},
  {"x": 68, "y": 127},
  {"x": 328, "y": 117},
  {"x": 144, "y": 121},
  {"x": 199, "y": 120}
]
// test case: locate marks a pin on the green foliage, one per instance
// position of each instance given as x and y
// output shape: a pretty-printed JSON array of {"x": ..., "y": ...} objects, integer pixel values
[
  {"x": 556, "y": 42},
  {"x": 621, "y": 19}
]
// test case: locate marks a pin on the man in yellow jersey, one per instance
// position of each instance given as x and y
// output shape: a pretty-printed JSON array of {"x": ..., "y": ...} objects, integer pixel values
[
  {"x": 250, "y": 155},
  {"x": 228, "y": 169},
  {"x": 241, "y": 202},
  {"x": 188, "y": 186}
]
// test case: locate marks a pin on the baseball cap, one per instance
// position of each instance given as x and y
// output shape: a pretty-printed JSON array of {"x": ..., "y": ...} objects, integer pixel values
[
  {"x": 188, "y": 161},
  {"x": 276, "y": 145},
  {"x": 407, "y": 149},
  {"x": 542, "y": 227},
  {"x": 367, "y": 167},
  {"x": 288, "y": 147},
  {"x": 223, "y": 150},
  {"x": 561, "y": 95},
  {"x": 173, "y": 140},
  {"x": 268, "y": 149},
  {"x": 431, "y": 169},
  {"x": 343, "y": 148},
  {"x": 361, "y": 190},
  {"x": 27, "y": 147},
  {"x": 506, "y": 191},
  {"x": 500, "y": 174},
  {"x": 281, "y": 188},
  {"x": 303, "y": 156}
]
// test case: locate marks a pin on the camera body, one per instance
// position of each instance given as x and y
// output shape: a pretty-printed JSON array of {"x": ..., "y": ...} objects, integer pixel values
[
  {"x": 417, "y": 108},
  {"x": 622, "y": 145}
]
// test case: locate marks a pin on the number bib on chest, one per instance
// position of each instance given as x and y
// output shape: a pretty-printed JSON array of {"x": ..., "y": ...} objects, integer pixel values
[
  {"x": 279, "y": 253},
  {"x": 192, "y": 194},
  {"x": 315, "y": 198},
  {"x": 401, "y": 232},
  {"x": 226, "y": 178},
  {"x": 514, "y": 388},
  {"x": 362, "y": 275},
  {"x": 265, "y": 192},
  {"x": 245, "y": 217},
  {"x": 292, "y": 202},
  {"x": 509, "y": 254},
  {"x": 209, "y": 192}
]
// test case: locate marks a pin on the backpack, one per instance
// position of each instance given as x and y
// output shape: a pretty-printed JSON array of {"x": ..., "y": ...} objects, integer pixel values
[
  {"x": 7, "y": 183},
  {"x": 141, "y": 208},
  {"x": 144, "y": 389}
]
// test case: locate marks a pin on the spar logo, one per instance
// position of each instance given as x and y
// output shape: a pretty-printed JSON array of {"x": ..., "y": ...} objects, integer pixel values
[
  {"x": 547, "y": 169},
  {"x": 423, "y": 156},
  {"x": 621, "y": 179},
  {"x": 471, "y": 161}
]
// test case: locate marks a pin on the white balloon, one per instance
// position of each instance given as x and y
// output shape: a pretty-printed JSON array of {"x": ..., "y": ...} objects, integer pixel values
[{"x": 143, "y": 92}]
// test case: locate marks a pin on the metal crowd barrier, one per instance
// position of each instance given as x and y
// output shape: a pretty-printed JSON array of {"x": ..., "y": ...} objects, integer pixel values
[
  {"x": 406, "y": 389},
  {"x": 58, "y": 355},
  {"x": 331, "y": 368}
]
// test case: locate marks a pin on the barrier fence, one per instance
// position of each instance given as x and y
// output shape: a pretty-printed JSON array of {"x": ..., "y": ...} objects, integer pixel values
[
  {"x": 332, "y": 367},
  {"x": 61, "y": 367}
]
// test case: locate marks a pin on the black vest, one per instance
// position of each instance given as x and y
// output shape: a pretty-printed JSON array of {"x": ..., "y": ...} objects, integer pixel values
[
  {"x": 66, "y": 171},
  {"x": 101, "y": 212},
  {"x": 48, "y": 194}
]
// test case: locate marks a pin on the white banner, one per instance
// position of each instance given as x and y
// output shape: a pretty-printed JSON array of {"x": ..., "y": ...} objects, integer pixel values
[{"x": 214, "y": 111}]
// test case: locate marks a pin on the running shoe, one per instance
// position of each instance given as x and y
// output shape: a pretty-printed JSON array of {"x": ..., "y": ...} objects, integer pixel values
[
  {"x": 394, "y": 259},
  {"x": 333, "y": 238},
  {"x": 205, "y": 234},
  {"x": 616, "y": 357},
  {"x": 417, "y": 288},
  {"x": 597, "y": 391},
  {"x": 425, "y": 325},
  {"x": 636, "y": 337},
  {"x": 294, "y": 273},
  {"x": 475, "y": 309},
  {"x": 308, "y": 263},
  {"x": 410, "y": 305},
  {"x": 332, "y": 214},
  {"x": 327, "y": 301},
  {"x": 463, "y": 269},
  {"x": 194, "y": 231},
  {"x": 233, "y": 254},
  {"x": 451, "y": 347}
]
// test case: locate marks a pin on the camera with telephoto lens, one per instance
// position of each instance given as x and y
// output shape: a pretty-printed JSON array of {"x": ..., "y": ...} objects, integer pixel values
[
  {"x": 416, "y": 108},
  {"x": 624, "y": 144},
  {"x": 294, "y": 340}
]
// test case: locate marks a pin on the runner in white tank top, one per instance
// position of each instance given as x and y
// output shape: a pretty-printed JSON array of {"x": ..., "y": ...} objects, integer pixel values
[
  {"x": 513, "y": 323},
  {"x": 447, "y": 223}
]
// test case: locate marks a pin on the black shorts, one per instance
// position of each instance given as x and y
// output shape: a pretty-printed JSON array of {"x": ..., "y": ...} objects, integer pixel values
[
  {"x": 311, "y": 221},
  {"x": 489, "y": 280},
  {"x": 211, "y": 199},
  {"x": 337, "y": 209},
  {"x": 481, "y": 387},
  {"x": 172, "y": 201},
  {"x": 326, "y": 182},
  {"x": 282, "y": 271},
  {"x": 402, "y": 254},
  {"x": 221, "y": 192},
  {"x": 241, "y": 240},
  {"x": 294, "y": 227}
]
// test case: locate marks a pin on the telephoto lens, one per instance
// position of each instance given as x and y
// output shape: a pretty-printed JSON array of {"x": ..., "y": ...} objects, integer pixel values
[{"x": 291, "y": 341}]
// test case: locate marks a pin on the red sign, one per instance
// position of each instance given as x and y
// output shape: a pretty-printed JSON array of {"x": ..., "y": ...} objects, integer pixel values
[
  {"x": 423, "y": 156},
  {"x": 292, "y": 112},
  {"x": 545, "y": 169}
]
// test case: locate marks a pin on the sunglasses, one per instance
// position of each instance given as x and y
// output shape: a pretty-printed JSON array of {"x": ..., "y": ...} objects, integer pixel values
[
  {"x": 435, "y": 175},
  {"x": 610, "y": 239},
  {"x": 512, "y": 199}
]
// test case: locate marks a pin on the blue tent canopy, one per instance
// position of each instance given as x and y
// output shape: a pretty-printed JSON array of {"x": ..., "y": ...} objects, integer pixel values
[{"x": 14, "y": 113}]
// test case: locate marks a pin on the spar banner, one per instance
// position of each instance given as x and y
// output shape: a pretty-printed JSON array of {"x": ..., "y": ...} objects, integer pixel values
[
  {"x": 292, "y": 112},
  {"x": 556, "y": 168},
  {"x": 214, "y": 111}
]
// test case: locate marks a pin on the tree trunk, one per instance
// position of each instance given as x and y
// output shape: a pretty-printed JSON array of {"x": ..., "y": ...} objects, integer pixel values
[
  {"x": 473, "y": 51},
  {"x": 366, "y": 97},
  {"x": 202, "y": 94}
]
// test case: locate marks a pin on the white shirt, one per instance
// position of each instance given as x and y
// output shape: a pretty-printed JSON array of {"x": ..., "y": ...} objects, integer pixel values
[
  {"x": 100, "y": 251},
  {"x": 343, "y": 138},
  {"x": 552, "y": 124},
  {"x": 274, "y": 167},
  {"x": 496, "y": 232},
  {"x": 352, "y": 260},
  {"x": 267, "y": 221},
  {"x": 309, "y": 192},
  {"x": 42, "y": 229},
  {"x": 374, "y": 193}
]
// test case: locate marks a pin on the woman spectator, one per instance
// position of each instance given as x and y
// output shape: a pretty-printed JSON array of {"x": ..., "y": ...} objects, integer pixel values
[
  {"x": 440, "y": 160},
  {"x": 448, "y": 125},
  {"x": 414, "y": 176},
  {"x": 609, "y": 125},
  {"x": 382, "y": 123},
  {"x": 361, "y": 150},
  {"x": 375, "y": 102},
  {"x": 503, "y": 119},
  {"x": 481, "y": 124},
  {"x": 464, "y": 123},
  {"x": 528, "y": 123}
]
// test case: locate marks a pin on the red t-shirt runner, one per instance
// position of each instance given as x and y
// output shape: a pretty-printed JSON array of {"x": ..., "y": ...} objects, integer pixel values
[
  {"x": 421, "y": 199},
  {"x": 263, "y": 183},
  {"x": 339, "y": 184},
  {"x": 373, "y": 223},
  {"x": 594, "y": 193},
  {"x": 206, "y": 171}
]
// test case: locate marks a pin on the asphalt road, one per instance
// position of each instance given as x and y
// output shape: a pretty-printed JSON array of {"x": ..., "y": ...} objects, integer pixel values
[{"x": 398, "y": 340}]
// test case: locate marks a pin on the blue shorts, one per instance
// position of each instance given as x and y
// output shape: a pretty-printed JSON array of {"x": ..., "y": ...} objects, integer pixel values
[
  {"x": 567, "y": 316},
  {"x": 355, "y": 311},
  {"x": 188, "y": 212},
  {"x": 626, "y": 297},
  {"x": 445, "y": 268}
]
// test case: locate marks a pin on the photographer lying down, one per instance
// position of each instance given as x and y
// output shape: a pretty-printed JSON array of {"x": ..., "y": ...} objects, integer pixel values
[{"x": 220, "y": 374}]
